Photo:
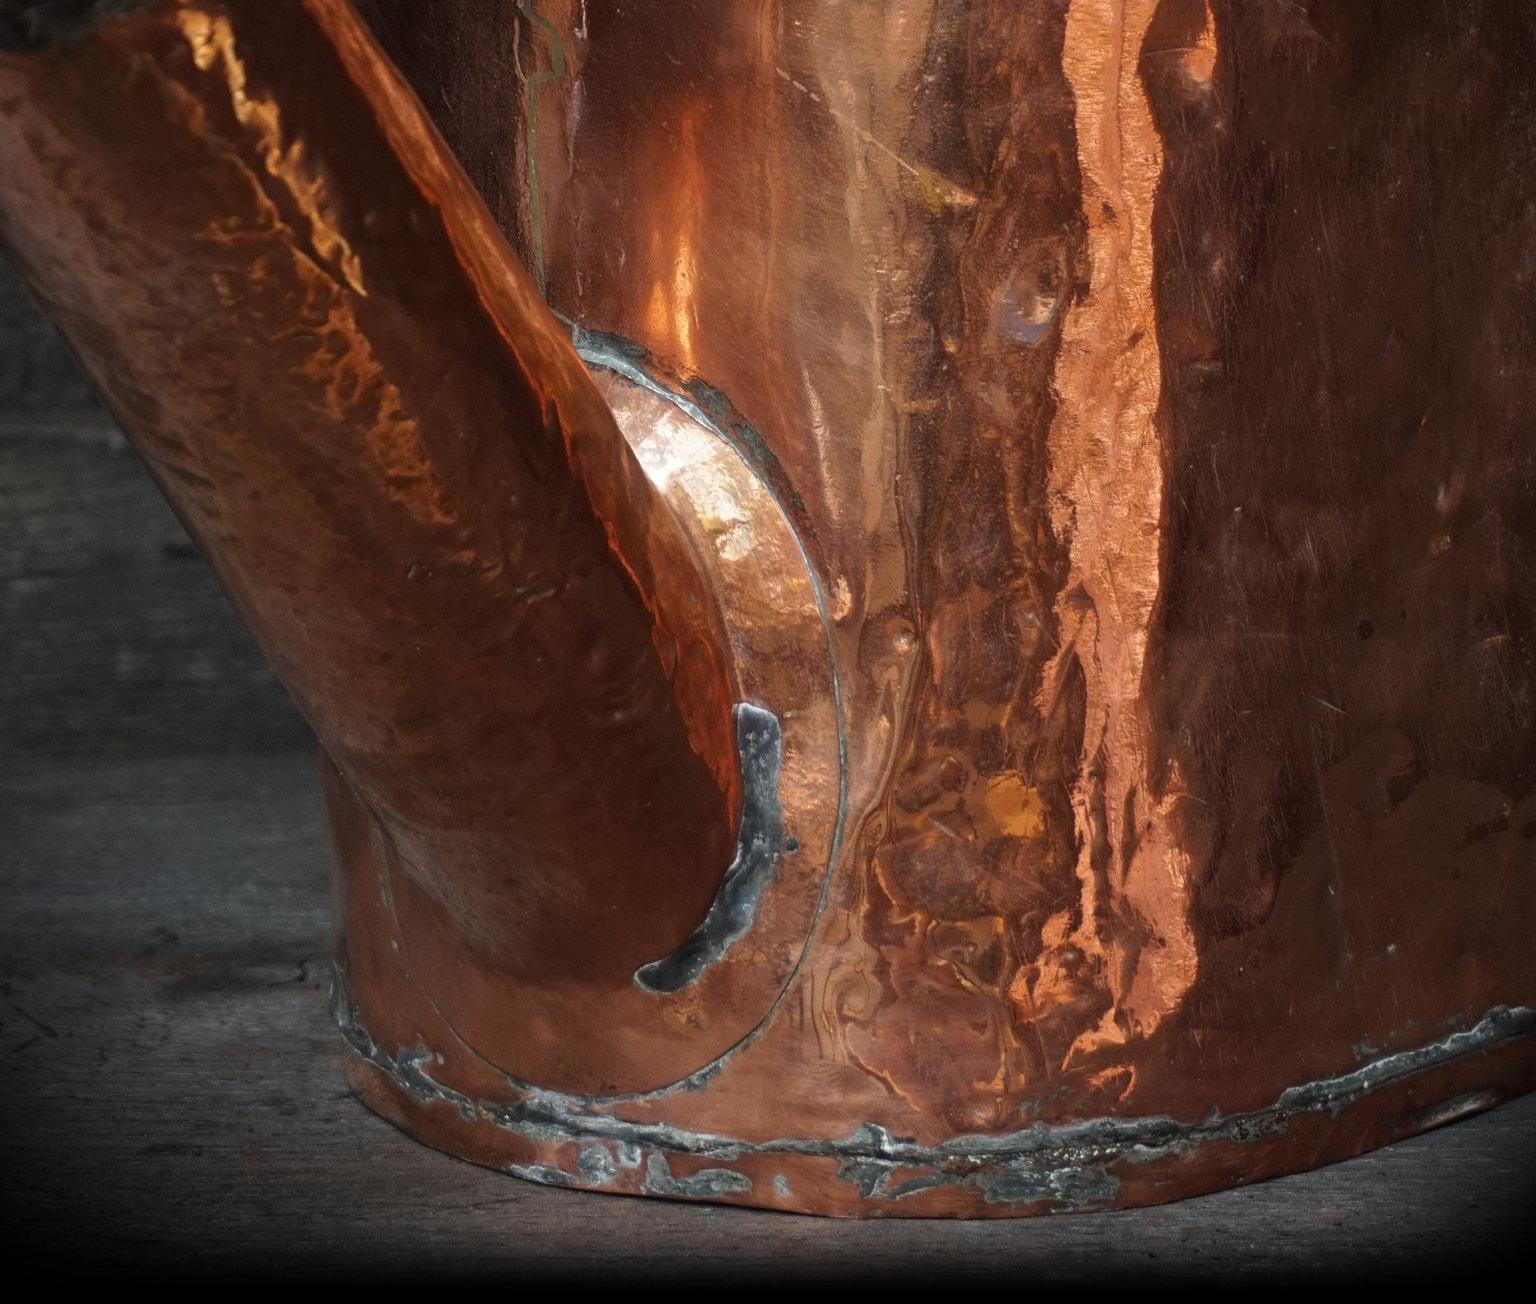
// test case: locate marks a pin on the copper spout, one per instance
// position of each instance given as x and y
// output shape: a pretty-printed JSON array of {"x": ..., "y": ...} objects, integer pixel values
[{"x": 351, "y": 391}]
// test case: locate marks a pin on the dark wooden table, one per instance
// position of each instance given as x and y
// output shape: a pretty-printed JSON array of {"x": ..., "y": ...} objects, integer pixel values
[{"x": 172, "y": 1098}]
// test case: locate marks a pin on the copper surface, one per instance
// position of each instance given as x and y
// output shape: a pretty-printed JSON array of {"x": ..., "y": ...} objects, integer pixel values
[{"x": 1094, "y": 432}]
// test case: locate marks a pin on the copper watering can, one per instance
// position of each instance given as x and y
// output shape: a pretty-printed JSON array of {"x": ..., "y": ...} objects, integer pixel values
[{"x": 914, "y": 608}]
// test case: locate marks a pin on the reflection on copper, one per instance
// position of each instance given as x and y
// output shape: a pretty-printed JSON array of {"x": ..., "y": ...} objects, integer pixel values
[
  {"x": 670, "y": 308},
  {"x": 1089, "y": 432}
]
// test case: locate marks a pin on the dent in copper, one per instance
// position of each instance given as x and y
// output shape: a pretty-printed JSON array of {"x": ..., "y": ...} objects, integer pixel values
[{"x": 1095, "y": 432}]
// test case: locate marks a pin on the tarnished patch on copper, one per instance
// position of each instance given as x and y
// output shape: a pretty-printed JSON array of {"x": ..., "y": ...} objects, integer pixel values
[{"x": 759, "y": 841}]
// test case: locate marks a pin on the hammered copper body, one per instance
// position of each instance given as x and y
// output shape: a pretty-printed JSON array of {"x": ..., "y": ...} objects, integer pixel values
[{"x": 980, "y": 661}]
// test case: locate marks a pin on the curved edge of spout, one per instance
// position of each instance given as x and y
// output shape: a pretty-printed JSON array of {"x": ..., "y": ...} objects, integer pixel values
[{"x": 308, "y": 324}]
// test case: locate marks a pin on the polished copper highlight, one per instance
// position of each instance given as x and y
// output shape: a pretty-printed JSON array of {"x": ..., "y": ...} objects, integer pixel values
[{"x": 915, "y": 608}]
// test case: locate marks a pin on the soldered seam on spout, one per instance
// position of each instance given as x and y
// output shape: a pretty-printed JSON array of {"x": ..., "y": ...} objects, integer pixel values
[{"x": 759, "y": 842}]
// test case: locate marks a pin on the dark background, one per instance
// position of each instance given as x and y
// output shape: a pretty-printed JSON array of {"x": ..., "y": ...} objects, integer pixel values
[{"x": 172, "y": 1100}]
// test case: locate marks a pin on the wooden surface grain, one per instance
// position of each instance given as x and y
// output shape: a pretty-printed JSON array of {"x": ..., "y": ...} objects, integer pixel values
[{"x": 169, "y": 1076}]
